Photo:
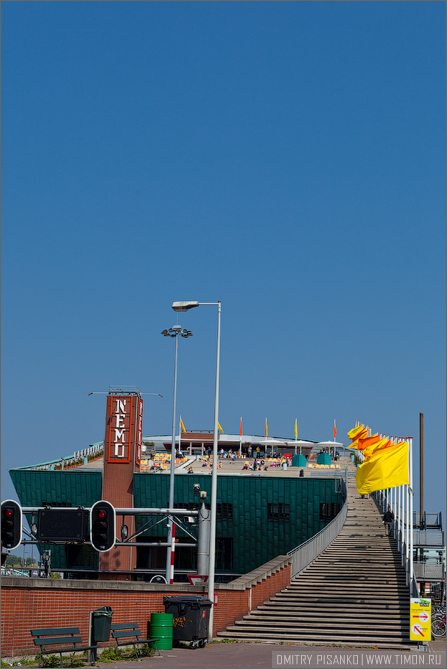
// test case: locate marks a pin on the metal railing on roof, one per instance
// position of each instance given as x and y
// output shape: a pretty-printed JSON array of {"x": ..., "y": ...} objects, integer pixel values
[{"x": 94, "y": 450}]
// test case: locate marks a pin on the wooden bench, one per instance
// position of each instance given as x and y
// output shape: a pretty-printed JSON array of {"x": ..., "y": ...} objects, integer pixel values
[
  {"x": 51, "y": 639},
  {"x": 128, "y": 634}
]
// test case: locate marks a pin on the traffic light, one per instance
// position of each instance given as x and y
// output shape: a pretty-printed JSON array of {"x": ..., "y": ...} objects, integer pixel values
[
  {"x": 11, "y": 524},
  {"x": 102, "y": 526}
]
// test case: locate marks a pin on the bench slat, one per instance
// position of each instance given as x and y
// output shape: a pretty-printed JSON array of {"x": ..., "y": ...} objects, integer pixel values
[
  {"x": 121, "y": 635},
  {"x": 125, "y": 627},
  {"x": 51, "y": 631},
  {"x": 51, "y": 641}
]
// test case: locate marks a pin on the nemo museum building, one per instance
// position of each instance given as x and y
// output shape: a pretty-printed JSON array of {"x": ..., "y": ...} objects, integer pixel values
[{"x": 260, "y": 513}]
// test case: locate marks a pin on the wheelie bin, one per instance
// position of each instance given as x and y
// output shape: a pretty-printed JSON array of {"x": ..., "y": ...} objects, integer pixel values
[
  {"x": 191, "y": 618},
  {"x": 101, "y": 624}
]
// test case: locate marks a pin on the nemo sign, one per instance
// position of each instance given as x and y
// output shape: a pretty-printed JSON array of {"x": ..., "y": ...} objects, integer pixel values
[{"x": 124, "y": 428}]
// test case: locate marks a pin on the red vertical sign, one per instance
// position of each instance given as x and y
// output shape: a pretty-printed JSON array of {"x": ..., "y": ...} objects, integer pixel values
[{"x": 124, "y": 425}]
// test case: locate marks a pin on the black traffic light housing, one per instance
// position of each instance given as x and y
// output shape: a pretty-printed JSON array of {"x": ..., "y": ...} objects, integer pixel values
[
  {"x": 11, "y": 524},
  {"x": 102, "y": 526}
]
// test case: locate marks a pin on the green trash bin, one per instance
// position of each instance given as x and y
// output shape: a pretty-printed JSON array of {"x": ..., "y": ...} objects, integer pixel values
[
  {"x": 101, "y": 624},
  {"x": 161, "y": 628}
]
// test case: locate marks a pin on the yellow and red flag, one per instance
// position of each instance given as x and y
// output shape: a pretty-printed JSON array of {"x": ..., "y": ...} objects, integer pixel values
[
  {"x": 358, "y": 432},
  {"x": 335, "y": 430},
  {"x": 241, "y": 426},
  {"x": 219, "y": 427},
  {"x": 182, "y": 426},
  {"x": 296, "y": 428},
  {"x": 266, "y": 428},
  {"x": 365, "y": 442},
  {"x": 384, "y": 443},
  {"x": 386, "y": 468}
]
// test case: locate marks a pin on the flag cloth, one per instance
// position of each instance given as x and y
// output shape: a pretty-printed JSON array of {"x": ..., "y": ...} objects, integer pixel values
[
  {"x": 296, "y": 428},
  {"x": 357, "y": 433},
  {"x": 365, "y": 442},
  {"x": 182, "y": 426},
  {"x": 383, "y": 444},
  {"x": 335, "y": 430},
  {"x": 386, "y": 469},
  {"x": 241, "y": 426},
  {"x": 219, "y": 427},
  {"x": 353, "y": 434},
  {"x": 266, "y": 428}
]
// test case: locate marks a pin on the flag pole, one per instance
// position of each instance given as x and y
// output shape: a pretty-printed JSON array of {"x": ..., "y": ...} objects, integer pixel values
[
  {"x": 179, "y": 438},
  {"x": 410, "y": 443}
]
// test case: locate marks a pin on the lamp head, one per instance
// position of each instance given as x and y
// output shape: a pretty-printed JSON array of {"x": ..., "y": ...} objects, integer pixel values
[{"x": 184, "y": 306}]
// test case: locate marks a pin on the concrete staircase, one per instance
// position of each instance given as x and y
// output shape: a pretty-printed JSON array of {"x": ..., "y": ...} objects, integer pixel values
[{"x": 353, "y": 594}]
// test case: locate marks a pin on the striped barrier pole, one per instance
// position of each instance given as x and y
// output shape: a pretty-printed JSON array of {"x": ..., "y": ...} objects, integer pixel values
[{"x": 171, "y": 578}]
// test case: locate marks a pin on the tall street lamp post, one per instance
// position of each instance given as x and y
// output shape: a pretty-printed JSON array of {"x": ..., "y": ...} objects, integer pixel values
[
  {"x": 175, "y": 331},
  {"x": 185, "y": 306}
]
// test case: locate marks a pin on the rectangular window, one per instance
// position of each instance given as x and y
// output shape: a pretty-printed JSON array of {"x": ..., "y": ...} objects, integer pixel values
[
  {"x": 224, "y": 511},
  {"x": 329, "y": 511},
  {"x": 224, "y": 554},
  {"x": 278, "y": 511},
  {"x": 57, "y": 504},
  {"x": 151, "y": 557},
  {"x": 81, "y": 556}
]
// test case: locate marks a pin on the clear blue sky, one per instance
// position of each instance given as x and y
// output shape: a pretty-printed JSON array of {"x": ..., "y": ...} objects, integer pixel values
[{"x": 287, "y": 158}]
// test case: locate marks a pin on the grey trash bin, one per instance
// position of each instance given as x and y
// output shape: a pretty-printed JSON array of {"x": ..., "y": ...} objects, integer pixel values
[{"x": 101, "y": 624}]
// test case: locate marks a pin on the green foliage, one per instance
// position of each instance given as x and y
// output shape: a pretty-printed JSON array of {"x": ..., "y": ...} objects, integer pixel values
[
  {"x": 113, "y": 654},
  {"x": 15, "y": 561},
  {"x": 51, "y": 661},
  {"x": 110, "y": 655}
]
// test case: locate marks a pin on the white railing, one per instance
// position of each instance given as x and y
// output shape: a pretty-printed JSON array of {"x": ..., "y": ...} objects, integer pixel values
[
  {"x": 304, "y": 554},
  {"x": 94, "y": 450}
]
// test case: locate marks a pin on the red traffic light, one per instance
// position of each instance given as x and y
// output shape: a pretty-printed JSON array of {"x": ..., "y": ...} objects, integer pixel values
[
  {"x": 11, "y": 529},
  {"x": 102, "y": 526}
]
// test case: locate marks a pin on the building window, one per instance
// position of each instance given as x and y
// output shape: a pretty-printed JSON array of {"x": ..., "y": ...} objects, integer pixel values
[
  {"x": 224, "y": 511},
  {"x": 57, "y": 504},
  {"x": 278, "y": 511},
  {"x": 329, "y": 511},
  {"x": 191, "y": 506},
  {"x": 81, "y": 556},
  {"x": 224, "y": 554},
  {"x": 151, "y": 557}
]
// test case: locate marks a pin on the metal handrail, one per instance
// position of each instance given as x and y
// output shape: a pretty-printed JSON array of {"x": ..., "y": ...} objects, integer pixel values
[{"x": 304, "y": 554}]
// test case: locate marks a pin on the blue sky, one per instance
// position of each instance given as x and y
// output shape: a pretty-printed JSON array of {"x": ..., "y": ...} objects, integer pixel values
[{"x": 285, "y": 158}]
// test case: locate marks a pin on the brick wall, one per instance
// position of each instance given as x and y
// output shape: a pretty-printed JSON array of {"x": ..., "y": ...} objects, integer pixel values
[{"x": 33, "y": 603}]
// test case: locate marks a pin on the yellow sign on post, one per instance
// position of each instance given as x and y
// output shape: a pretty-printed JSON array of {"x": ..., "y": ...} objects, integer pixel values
[{"x": 420, "y": 620}]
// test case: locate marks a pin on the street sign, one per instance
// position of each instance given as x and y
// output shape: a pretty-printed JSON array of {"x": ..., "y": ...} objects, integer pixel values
[
  {"x": 420, "y": 617},
  {"x": 61, "y": 525},
  {"x": 197, "y": 579}
]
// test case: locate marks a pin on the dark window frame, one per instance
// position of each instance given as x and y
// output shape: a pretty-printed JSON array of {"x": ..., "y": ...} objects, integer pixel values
[{"x": 278, "y": 511}]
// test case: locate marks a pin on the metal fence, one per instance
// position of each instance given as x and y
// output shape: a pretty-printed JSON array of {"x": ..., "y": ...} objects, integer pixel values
[
  {"x": 304, "y": 554},
  {"x": 428, "y": 538},
  {"x": 427, "y": 571}
]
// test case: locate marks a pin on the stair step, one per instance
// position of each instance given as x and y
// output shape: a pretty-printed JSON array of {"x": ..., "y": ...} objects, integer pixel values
[
  {"x": 344, "y": 616},
  {"x": 330, "y": 636},
  {"x": 354, "y": 593}
]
